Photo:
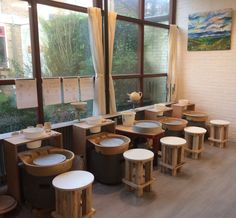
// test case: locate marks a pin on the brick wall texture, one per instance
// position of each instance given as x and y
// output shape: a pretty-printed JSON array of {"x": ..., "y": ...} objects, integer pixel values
[{"x": 208, "y": 78}]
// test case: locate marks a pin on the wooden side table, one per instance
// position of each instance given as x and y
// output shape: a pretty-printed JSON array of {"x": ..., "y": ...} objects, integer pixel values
[
  {"x": 11, "y": 146},
  {"x": 172, "y": 154},
  {"x": 194, "y": 140},
  {"x": 138, "y": 169},
  {"x": 219, "y": 132},
  {"x": 155, "y": 137},
  {"x": 73, "y": 194}
]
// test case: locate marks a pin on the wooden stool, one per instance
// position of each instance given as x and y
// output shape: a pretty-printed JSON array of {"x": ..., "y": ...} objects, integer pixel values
[
  {"x": 219, "y": 132},
  {"x": 73, "y": 195},
  {"x": 138, "y": 170},
  {"x": 195, "y": 140},
  {"x": 172, "y": 154},
  {"x": 7, "y": 203}
]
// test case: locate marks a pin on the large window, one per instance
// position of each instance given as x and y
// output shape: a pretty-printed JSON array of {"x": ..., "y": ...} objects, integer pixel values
[
  {"x": 64, "y": 51},
  {"x": 157, "y": 11},
  {"x": 140, "y": 50},
  {"x": 126, "y": 54},
  {"x": 50, "y": 39}
]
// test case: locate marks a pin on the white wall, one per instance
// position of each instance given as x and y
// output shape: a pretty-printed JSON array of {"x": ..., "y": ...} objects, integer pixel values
[{"x": 208, "y": 78}]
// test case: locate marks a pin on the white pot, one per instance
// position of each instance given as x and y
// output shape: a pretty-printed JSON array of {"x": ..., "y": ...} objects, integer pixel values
[
  {"x": 33, "y": 133},
  {"x": 128, "y": 118}
]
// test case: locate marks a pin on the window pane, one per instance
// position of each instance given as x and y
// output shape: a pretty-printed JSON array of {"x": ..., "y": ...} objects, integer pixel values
[
  {"x": 65, "y": 112},
  {"x": 122, "y": 87},
  {"x": 125, "y": 55},
  {"x": 64, "y": 43},
  {"x": 157, "y": 11},
  {"x": 126, "y": 8},
  {"x": 155, "y": 50},
  {"x": 154, "y": 90},
  {"x": 82, "y": 3},
  {"x": 11, "y": 118},
  {"x": 15, "y": 46}
]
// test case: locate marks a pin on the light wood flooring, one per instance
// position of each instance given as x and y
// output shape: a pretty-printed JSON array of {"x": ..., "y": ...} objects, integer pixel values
[{"x": 205, "y": 188}]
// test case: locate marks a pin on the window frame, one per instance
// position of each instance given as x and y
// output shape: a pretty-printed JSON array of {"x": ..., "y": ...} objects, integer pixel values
[
  {"x": 37, "y": 74},
  {"x": 142, "y": 23}
]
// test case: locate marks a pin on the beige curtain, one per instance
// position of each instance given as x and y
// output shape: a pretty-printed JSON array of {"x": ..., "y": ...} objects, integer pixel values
[
  {"x": 112, "y": 28},
  {"x": 172, "y": 73},
  {"x": 95, "y": 35}
]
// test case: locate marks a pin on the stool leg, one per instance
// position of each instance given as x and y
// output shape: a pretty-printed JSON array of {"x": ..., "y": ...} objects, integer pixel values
[
  {"x": 212, "y": 134},
  {"x": 148, "y": 175},
  {"x": 163, "y": 157},
  {"x": 139, "y": 173},
  {"x": 87, "y": 202},
  {"x": 195, "y": 145},
  {"x": 174, "y": 161},
  {"x": 226, "y": 133},
  {"x": 221, "y": 136},
  {"x": 128, "y": 173},
  {"x": 75, "y": 202},
  {"x": 188, "y": 145}
]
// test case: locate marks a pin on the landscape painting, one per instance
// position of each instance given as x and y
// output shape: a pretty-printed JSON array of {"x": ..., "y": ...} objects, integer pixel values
[{"x": 210, "y": 30}]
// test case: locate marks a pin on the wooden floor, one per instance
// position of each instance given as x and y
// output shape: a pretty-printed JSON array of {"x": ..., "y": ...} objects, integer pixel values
[{"x": 205, "y": 188}]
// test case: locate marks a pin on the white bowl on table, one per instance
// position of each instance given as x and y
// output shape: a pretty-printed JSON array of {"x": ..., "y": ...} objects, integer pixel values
[
  {"x": 96, "y": 122},
  {"x": 33, "y": 133}
]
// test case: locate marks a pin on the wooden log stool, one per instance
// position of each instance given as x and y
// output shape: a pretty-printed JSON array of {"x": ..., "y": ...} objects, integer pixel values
[
  {"x": 194, "y": 141},
  {"x": 219, "y": 132},
  {"x": 73, "y": 194},
  {"x": 172, "y": 158},
  {"x": 7, "y": 203},
  {"x": 138, "y": 170}
]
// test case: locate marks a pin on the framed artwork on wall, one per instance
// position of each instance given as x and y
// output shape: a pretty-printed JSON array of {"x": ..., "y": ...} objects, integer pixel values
[{"x": 209, "y": 31}]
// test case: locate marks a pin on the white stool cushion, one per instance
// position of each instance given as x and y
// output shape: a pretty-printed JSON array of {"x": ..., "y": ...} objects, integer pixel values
[
  {"x": 73, "y": 180},
  {"x": 219, "y": 122},
  {"x": 138, "y": 154},
  {"x": 173, "y": 141},
  {"x": 195, "y": 130}
]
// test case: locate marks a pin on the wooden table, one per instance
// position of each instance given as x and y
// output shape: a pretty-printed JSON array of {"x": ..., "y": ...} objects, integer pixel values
[
  {"x": 129, "y": 132},
  {"x": 12, "y": 145}
]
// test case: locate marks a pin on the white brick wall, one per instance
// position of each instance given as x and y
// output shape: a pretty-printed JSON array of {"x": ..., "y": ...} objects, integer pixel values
[{"x": 208, "y": 78}]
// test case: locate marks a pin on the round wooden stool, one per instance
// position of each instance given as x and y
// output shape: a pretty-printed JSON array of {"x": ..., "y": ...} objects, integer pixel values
[
  {"x": 219, "y": 132},
  {"x": 172, "y": 149},
  {"x": 73, "y": 194},
  {"x": 138, "y": 170},
  {"x": 7, "y": 203},
  {"x": 195, "y": 141}
]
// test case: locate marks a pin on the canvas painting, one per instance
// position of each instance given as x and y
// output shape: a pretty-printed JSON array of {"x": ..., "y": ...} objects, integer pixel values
[{"x": 210, "y": 30}]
